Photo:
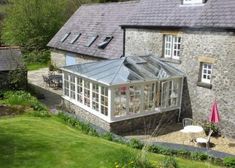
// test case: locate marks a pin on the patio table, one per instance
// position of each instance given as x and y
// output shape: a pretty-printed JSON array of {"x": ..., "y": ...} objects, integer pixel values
[{"x": 192, "y": 130}]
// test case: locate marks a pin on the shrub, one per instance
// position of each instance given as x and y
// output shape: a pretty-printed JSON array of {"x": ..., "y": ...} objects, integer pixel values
[
  {"x": 84, "y": 127},
  {"x": 108, "y": 136},
  {"x": 210, "y": 126},
  {"x": 229, "y": 162},
  {"x": 134, "y": 143},
  {"x": 37, "y": 57},
  {"x": 198, "y": 156},
  {"x": 169, "y": 162},
  {"x": 25, "y": 99},
  {"x": 133, "y": 160}
]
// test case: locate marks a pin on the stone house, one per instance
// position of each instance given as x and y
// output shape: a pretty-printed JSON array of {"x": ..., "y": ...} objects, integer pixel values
[
  {"x": 198, "y": 38},
  {"x": 10, "y": 62},
  {"x": 195, "y": 37}
]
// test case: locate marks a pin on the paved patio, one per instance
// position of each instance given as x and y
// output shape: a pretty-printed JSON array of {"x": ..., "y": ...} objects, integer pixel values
[
  {"x": 221, "y": 144},
  {"x": 52, "y": 96}
]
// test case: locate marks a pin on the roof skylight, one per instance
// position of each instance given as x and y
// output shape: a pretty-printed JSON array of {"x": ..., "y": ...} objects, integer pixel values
[
  {"x": 65, "y": 37},
  {"x": 106, "y": 41},
  {"x": 76, "y": 37},
  {"x": 91, "y": 41},
  {"x": 193, "y": 2}
]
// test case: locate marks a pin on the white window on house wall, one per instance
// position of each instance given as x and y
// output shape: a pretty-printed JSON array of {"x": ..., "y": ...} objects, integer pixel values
[
  {"x": 87, "y": 93},
  {"x": 206, "y": 72},
  {"x": 104, "y": 100},
  {"x": 66, "y": 84},
  {"x": 193, "y": 2},
  {"x": 172, "y": 46},
  {"x": 170, "y": 93},
  {"x": 95, "y": 97},
  {"x": 79, "y": 90},
  {"x": 72, "y": 86}
]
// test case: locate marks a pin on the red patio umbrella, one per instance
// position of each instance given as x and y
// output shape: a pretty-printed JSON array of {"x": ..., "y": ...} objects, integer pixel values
[{"x": 214, "y": 115}]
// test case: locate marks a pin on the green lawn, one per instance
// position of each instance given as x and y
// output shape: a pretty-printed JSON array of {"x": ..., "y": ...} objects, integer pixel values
[
  {"x": 48, "y": 143},
  {"x": 32, "y": 67}
]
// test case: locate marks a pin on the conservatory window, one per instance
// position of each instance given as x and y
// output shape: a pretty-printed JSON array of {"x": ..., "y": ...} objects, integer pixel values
[
  {"x": 95, "y": 97},
  {"x": 134, "y": 99},
  {"x": 79, "y": 89},
  {"x": 120, "y": 101},
  {"x": 87, "y": 93},
  {"x": 66, "y": 84},
  {"x": 72, "y": 86},
  {"x": 170, "y": 93},
  {"x": 104, "y": 100},
  {"x": 206, "y": 73},
  {"x": 148, "y": 97},
  {"x": 172, "y": 46}
]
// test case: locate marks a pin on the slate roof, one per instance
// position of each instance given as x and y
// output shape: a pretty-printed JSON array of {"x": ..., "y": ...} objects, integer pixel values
[
  {"x": 125, "y": 70},
  {"x": 171, "y": 13},
  {"x": 10, "y": 58},
  {"x": 91, "y": 20}
]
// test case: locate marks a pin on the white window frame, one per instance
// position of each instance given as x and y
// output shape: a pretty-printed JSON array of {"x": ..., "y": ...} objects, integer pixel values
[
  {"x": 206, "y": 72},
  {"x": 104, "y": 109},
  {"x": 172, "y": 46},
  {"x": 72, "y": 93},
  {"x": 66, "y": 85}
]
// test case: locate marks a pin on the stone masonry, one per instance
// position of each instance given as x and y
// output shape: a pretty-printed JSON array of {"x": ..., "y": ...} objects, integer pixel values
[
  {"x": 213, "y": 46},
  {"x": 138, "y": 125},
  {"x": 58, "y": 58}
]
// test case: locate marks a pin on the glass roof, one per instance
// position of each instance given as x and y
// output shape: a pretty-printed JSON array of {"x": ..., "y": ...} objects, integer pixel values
[{"x": 125, "y": 70}]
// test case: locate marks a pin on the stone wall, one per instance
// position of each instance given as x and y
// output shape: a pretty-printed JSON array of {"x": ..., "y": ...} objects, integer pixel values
[
  {"x": 197, "y": 46},
  {"x": 138, "y": 125},
  {"x": 58, "y": 58}
]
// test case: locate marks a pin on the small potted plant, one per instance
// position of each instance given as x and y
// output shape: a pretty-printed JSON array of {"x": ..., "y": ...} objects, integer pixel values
[{"x": 211, "y": 126}]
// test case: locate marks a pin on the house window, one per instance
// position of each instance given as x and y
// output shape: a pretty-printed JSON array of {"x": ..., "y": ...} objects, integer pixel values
[
  {"x": 79, "y": 90},
  {"x": 172, "y": 46},
  {"x": 104, "y": 44},
  {"x": 91, "y": 41},
  {"x": 72, "y": 86},
  {"x": 206, "y": 72},
  {"x": 66, "y": 84},
  {"x": 120, "y": 101},
  {"x": 148, "y": 97},
  {"x": 170, "y": 93},
  {"x": 134, "y": 99},
  {"x": 192, "y": 2},
  {"x": 76, "y": 37},
  {"x": 95, "y": 97},
  {"x": 64, "y": 37},
  {"x": 87, "y": 93},
  {"x": 104, "y": 100}
]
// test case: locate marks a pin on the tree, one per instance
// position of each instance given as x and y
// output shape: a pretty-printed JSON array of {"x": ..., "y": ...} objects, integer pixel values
[{"x": 32, "y": 23}]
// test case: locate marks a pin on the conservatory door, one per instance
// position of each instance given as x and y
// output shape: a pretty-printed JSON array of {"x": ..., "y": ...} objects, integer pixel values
[{"x": 70, "y": 59}]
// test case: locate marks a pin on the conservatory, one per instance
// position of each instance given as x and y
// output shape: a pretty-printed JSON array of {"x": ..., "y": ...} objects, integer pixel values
[{"x": 124, "y": 88}]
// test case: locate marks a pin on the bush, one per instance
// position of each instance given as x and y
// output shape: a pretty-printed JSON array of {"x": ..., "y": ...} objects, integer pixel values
[
  {"x": 25, "y": 99},
  {"x": 37, "y": 57},
  {"x": 198, "y": 156},
  {"x": 169, "y": 162},
  {"x": 84, "y": 127},
  {"x": 108, "y": 136},
  {"x": 210, "y": 126},
  {"x": 229, "y": 162},
  {"x": 133, "y": 160},
  {"x": 134, "y": 143}
]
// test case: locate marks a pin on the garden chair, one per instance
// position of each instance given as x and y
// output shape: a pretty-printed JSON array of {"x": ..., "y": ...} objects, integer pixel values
[
  {"x": 205, "y": 140},
  {"x": 187, "y": 121}
]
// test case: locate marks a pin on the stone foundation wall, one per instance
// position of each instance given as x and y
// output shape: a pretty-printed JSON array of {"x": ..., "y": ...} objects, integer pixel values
[
  {"x": 196, "y": 46},
  {"x": 138, "y": 125},
  {"x": 58, "y": 58}
]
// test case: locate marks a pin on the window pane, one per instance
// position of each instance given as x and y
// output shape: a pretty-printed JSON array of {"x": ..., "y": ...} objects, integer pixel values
[
  {"x": 134, "y": 99},
  {"x": 120, "y": 101}
]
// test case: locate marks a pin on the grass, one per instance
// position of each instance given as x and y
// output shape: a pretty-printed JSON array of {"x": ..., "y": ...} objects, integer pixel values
[
  {"x": 32, "y": 67},
  {"x": 47, "y": 142}
]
